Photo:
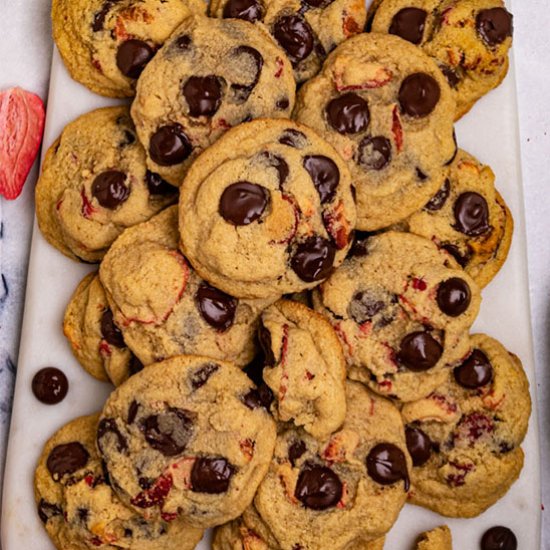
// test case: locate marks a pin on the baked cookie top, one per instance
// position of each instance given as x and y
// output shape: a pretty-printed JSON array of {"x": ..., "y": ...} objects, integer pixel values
[
  {"x": 197, "y": 87},
  {"x": 267, "y": 210},
  {"x": 388, "y": 110}
]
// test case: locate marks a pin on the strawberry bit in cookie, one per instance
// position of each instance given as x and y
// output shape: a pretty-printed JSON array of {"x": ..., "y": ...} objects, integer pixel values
[
  {"x": 350, "y": 26},
  {"x": 87, "y": 209},
  {"x": 280, "y": 67},
  {"x": 156, "y": 495},
  {"x": 105, "y": 348},
  {"x": 337, "y": 225},
  {"x": 493, "y": 401},
  {"x": 419, "y": 284},
  {"x": 458, "y": 479},
  {"x": 473, "y": 427},
  {"x": 247, "y": 448},
  {"x": 397, "y": 130},
  {"x": 341, "y": 446},
  {"x": 342, "y": 502},
  {"x": 180, "y": 472}
]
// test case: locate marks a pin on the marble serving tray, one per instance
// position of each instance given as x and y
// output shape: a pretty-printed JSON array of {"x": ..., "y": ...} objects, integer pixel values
[{"x": 489, "y": 131}]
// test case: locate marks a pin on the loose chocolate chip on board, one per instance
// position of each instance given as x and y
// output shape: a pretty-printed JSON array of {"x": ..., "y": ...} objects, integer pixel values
[
  {"x": 110, "y": 332},
  {"x": 494, "y": 25},
  {"x": 318, "y": 487},
  {"x": 409, "y": 23},
  {"x": 374, "y": 153},
  {"x": 169, "y": 145},
  {"x": 50, "y": 385},
  {"x": 110, "y": 189},
  {"x": 295, "y": 36},
  {"x": 440, "y": 198},
  {"x": 419, "y": 445},
  {"x": 454, "y": 296},
  {"x": 418, "y": 95},
  {"x": 243, "y": 203},
  {"x": 132, "y": 57},
  {"x": 475, "y": 372},
  {"x": 157, "y": 185},
  {"x": 419, "y": 351},
  {"x": 386, "y": 464},
  {"x": 313, "y": 259},
  {"x": 499, "y": 538},
  {"x": 67, "y": 459},
  {"x": 168, "y": 432},
  {"x": 325, "y": 175},
  {"x": 203, "y": 95},
  {"x": 216, "y": 307},
  {"x": 211, "y": 475},
  {"x": 471, "y": 214},
  {"x": 249, "y": 10},
  {"x": 348, "y": 113}
]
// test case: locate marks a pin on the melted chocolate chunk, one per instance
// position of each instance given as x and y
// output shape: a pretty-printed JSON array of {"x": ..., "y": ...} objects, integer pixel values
[
  {"x": 461, "y": 259},
  {"x": 132, "y": 57},
  {"x": 110, "y": 189},
  {"x": 168, "y": 432},
  {"x": 360, "y": 246},
  {"x": 264, "y": 339},
  {"x": 280, "y": 164},
  {"x": 348, "y": 113},
  {"x": 203, "y": 95},
  {"x": 132, "y": 411},
  {"x": 409, "y": 23},
  {"x": 419, "y": 351},
  {"x": 471, "y": 214},
  {"x": 440, "y": 198},
  {"x": 494, "y": 25},
  {"x": 109, "y": 331},
  {"x": 499, "y": 538},
  {"x": 243, "y": 203},
  {"x": 50, "y": 385},
  {"x": 67, "y": 459},
  {"x": 241, "y": 92},
  {"x": 419, "y": 445},
  {"x": 101, "y": 15},
  {"x": 318, "y": 487},
  {"x": 109, "y": 426},
  {"x": 452, "y": 76},
  {"x": 129, "y": 139},
  {"x": 475, "y": 372},
  {"x": 216, "y": 307},
  {"x": 135, "y": 365},
  {"x": 249, "y": 10},
  {"x": 293, "y": 138},
  {"x": 295, "y": 36},
  {"x": 282, "y": 103},
  {"x": 374, "y": 153},
  {"x": 419, "y": 95},
  {"x": 364, "y": 306},
  {"x": 183, "y": 42},
  {"x": 325, "y": 176},
  {"x": 453, "y": 296},
  {"x": 386, "y": 464},
  {"x": 295, "y": 451},
  {"x": 47, "y": 511},
  {"x": 158, "y": 186},
  {"x": 169, "y": 145},
  {"x": 201, "y": 376},
  {"x": 313, "y": 259},
  {"x": 211, "y": 475},
  {"x": 260, "y": 397}
]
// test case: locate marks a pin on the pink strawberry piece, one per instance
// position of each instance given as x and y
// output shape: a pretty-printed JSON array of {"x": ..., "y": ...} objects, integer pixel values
[
  {"x": 350, "y": 26},
  {"x": 21, "y": 128},
  {"x": 397, "y": 130},
  {"x": 156, "y": 495}
]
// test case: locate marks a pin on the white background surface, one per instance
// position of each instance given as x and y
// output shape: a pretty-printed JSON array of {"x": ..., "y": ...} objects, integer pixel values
[{"x": 24, "y": 52}]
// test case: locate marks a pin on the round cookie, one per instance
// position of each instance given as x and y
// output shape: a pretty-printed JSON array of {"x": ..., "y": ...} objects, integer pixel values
[
  {"x": 306, "y": 30},
  {"x": 346, "y": 489},
  {"x": 197, "y": 87},
  {"x": 105, "y": 44},
  {"x": 436, "y": 539},
  {"x": 94, "y": 184},
  {"x": 464, "y": 438},
  {"x": 388, "y": 110},
  {"x": 187, "y": 438},
  {"x": 162, "y": 306},
  {"x": 469, "y": 219},
  {"x": 79, "y": 508},
  {"x": 469, "y": 40},
  {"x": 267, "y": 210},
  {"x": 402, "y": 309}
]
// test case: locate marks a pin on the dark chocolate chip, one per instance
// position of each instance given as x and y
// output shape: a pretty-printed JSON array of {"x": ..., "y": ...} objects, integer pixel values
[
  {"x": 325, "y": 175},
  {"x": 420, "y": 175},
  {"x": 419, "y": 95},
  {"x": 364, "y": 306},
  {"x": 494, "y": 25},
  {"x": 264, "y": 339},
  {"x": 471, "y": 214},
  {"x": 67, "y": 459},
  {"x": 452, "y": 76},
  {"x": 109, "y": 426},
  {"x": 132, "y": 57},
  {"x": 101, "y": 15},
  {"x": 313, "y": 259},
  {"x": 201, "y": 376},
  {"x": 348, "y": 113},
  {"x": 135, "y": 365},
  {"x": 419, "y": 351},
  {"x": 110, "y": 189},
  {"x": 282, "y": 103},
  {"x": 50, "y": 385},
  {"x": 168, "y": 432},
  {"x": 83, "y": 514},
  {"x": 409, "y": 23},
  {"x": 109, "y": 331},
  {"x": 419, "y": 445},
  {"x": 295, "y": 451},
  {"x": 454, "y": 296},
  {"x": 132, "y": 411},
  {"x": 157, "y": 185},
  {"x": 243, "y": 203},
  {"x": 295, "y": 36},
  {"x": 211, "y": 475},
  {"x": 360, "y": 246},
  {"x": 293, "y": 138},
  {"x": 47, "y": 511},
  {"x": 386, "y": 464},
  {"x": 169, "y": 145},
  {"x": 461, "y": 259},
  {"x": 475, "y": 372},
  {"x": 318, "y": 487},
  {"x": 440, "y": 198},
  {"x": 249, "y": 10},
  {"x": 499, "y": 538},
  {"x": 203, "y": 95},
  {"x": 260, "y": 397},
  {"x": 374, "y": 153},
  {"x": 241, "y": 92},
  {"x": 216, "y": 307},
  {"x": 129, "y": 139},
  {"x": 183, "y": 42},
  {"x": 280, "y": 164}
]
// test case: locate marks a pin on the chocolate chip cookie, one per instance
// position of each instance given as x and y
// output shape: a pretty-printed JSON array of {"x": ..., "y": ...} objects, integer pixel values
[
  {"x": 105, "y": 44},
  {"x": 388, "y": 110},
  {"x": 464, "y": 438},
  {"x": 346, "y": 489},
  {"x": 267, "y": 210},
  {"x": 78, "y": 507},
  {"x": 94, "y": 184},
  {"x": 469, "y": 40},
  {"x": 435, "y": 539},
  {"x": 197, "y": 87},
  {"x": 186, "y": 440},
  {"x": 468, "y": 218},
  {"x": 307, "y": 30},
  {"x": 402, "y": 309},
  {"x": 163, "y": 308}
]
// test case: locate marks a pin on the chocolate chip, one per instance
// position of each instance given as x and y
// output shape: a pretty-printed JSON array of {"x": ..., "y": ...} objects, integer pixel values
[
  {"x": 419, "y": 445},
  {"x": 216, "y": 307},
  {"x": 293, "y": 138},
  {"x": 295, "y": 451},
  {"x": 471, "y": 214},
  {"x": 241, "y": 92},
  {"x": 110, "y": 189},
  {"x": 101, "y": 15},
  {"x": 452, "y": 76},
  {"x": 420, "y": 175},
  {"x": 135, "y": 365},
  {"x": 461, "y": 259},
  {"x": 243, "y": 203},
  {"x": 129, "y": 139},
  {"x": 132, "y": 57},
  {"x": 440, "y": 198},
  {"x": 325, "y": 175},
  {"x": 360, "y": 246},
  {"x": 313, "y": 259},
  {"x": 499, "y": 538},
  {"x": 109, "y": 426},
  {"x": 211, "y": 475},
  {"x": 201, "y": 376},
  {"x": 168, "y": 432},
  {"x": 264, "y": 338},
  {"x": 419, "y": 351},
  {"x": 183, "y": 42},
  {"x": 494, "y": 25},
  {"x": 47, "y": 511},
  {"x": 453, "y": 296},
  {"x": 109, "y": 331},
  {"x": 295, "y": 36},
  {"x": 67, "y": 459},
  {"x": 374, "y": 153},
  {"x": 132, "y": 411},
  {"x": 249, "y": 10},
  {"x": 386, "y": 464},
  {"x": 282, "y": 104},
  {"x": 318, "y": 487},
  {"x": 50, "y": 385},
  {"x": 280, "y": 164},
  {"x": 169, "y": 145},
  {"x": 364, "y": 306},
  {"x": 203, "y": 95},
  {"x": 419, "y": 95},
  {"x": 475, "y": 372},
  {"x": 259, "y": 397},
  {"x": 409, "y": 23},
  {"x": 348, "y": 113},
  {"x": 82, "y": 514},
  {"x": 157, "y": 185}
]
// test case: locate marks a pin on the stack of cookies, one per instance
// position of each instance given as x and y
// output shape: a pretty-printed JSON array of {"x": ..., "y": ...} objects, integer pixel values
[{"x": 287, "y": 279}]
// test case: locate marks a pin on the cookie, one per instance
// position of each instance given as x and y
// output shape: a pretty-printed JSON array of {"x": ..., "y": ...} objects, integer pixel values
[
  {"x": 187, "y": 438},
  {"x": 346, "y": 489},
  {"x": 464, "y": 438},
  {"x": 436, "y": 539},
  {"x": 469, "y": 40},
  {"x": 402, "y": 309},
  {"x": 163, "y": 308},
  {"x": 267, "y": 210},
  {"x": 304, "y": 367},
  {"x": 105, "y": 44},
  {"x": 196, "y": 88},
  {"x": 306, "y": 30},
  {"x": 94, "y": 184},
  {"x": 388, "y": 110},
  {"x": 469, "y": 219},
  {"x": 78, "y": 507}
]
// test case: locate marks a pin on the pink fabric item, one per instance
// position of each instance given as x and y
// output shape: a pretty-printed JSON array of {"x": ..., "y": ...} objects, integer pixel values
[{"x": 21, "y": 128}]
